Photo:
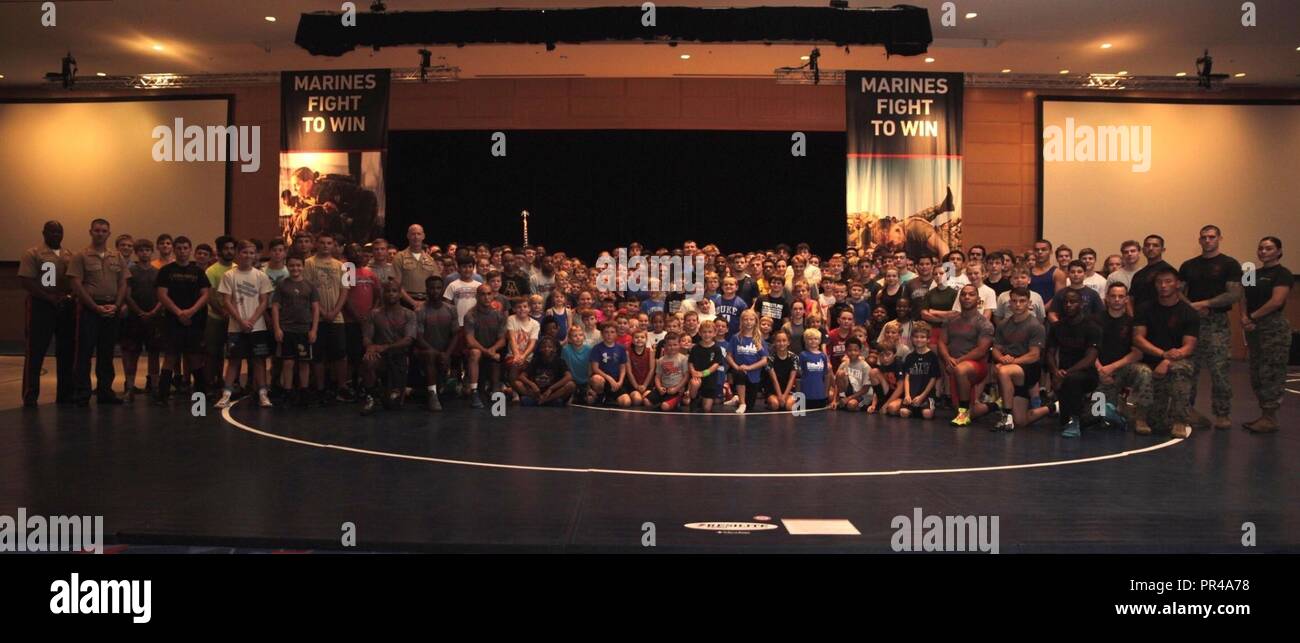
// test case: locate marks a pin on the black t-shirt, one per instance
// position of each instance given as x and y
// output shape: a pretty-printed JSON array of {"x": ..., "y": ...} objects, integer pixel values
[
  {"x": 920, "y": 368},
  {"x": 1166, "y": 325},
  {"x": 545, "y": 374},
  {"x": 1143, "y": 288},
  {"x": 1072, "y": 339},
  {"x": 184, "y": 284},
  {"x": 1266, "y": 279},
  {"x": 1116, "y": 337},
  {"x": 1000, "y": 286},
  {"x": 515, "y": 285},
  {"x": 747, "y": 289},
  {"x": 702, "y": 358},
  {"x": 1206, "y": 278},
  {"x": 782, "y": 367},
  {"x": 889, "y": 302},
  {"x": 778, "y": 308}
]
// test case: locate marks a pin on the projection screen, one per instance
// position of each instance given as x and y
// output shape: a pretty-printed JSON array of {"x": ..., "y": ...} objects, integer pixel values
[
  {"x": 1117, "y": 170},
  {"x": 78, "y": 161}
]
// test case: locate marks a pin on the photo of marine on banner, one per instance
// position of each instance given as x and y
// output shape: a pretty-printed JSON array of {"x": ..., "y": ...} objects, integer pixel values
[{"x": 904, "y": 169}]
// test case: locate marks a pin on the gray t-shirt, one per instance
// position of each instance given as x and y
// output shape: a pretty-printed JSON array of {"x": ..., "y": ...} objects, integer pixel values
[
  {"x": 295, "y": 299},
  {"x": 671, "y": 370},
  {"x": 436, "y": 326},
  {"x": 1016, "y": 338},
  {"x": 964, "y": 332},
  {"x": 858, "y": 372},
  {"x": 387, "y": 325}
]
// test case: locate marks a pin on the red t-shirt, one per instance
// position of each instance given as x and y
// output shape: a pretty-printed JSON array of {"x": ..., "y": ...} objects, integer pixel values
[
  {"x": 362, "y": 295},
  {"x": 835, "y": 347}
]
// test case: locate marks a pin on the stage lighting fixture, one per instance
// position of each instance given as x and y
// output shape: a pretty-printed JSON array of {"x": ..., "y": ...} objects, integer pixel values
[
  {"x": 840, "y": 4},
  {"x": 378, "y": 6},
  {"x": 68, "y": 75},
  {"x": 550, "y": 46}
]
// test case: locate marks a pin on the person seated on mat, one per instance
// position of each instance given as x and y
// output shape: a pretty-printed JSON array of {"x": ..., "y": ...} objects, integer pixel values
[
  {"x": 918, "y": 377},
  {"x": 522, "y": 331},
  {"x": 1017, "y": 349},
  {"x": 852, "y": 380},
  {"x": 387, "y": 334},
  {"x": 671, "y": 370},
  {"x": 1072, "y": 355},
  {"x": 547, "y": 380},
  {"x": 609, "y": 369},
  {"x": 640, "y": 367}
]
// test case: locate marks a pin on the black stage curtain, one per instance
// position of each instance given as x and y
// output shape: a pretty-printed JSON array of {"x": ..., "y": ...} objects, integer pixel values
[{"x": 589, "y": 190}]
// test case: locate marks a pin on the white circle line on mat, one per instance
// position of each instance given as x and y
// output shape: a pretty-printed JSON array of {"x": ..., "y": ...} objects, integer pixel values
[{"x": 226, "y": 415}]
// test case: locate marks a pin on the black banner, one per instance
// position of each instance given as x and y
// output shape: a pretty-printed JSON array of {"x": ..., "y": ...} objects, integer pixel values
[
  {"x": 904, "y": 160},
  {"x": 334, "y": 110}
]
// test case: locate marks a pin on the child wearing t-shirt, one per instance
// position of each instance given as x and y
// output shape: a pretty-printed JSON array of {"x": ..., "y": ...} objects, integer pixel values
[
  {"x": 814, "y": 371},
  {"x": 521, "y": 332},
  {"x": 852, "y": 380},
  {"x": 781, "y": 373},
  {"x": 295, "y": 317},
  {"x": 576, "y": 353},
  {"x": 641, "y": 368},
  {"x": 547, "y": 380},
  {"x": 706, "y": 360},
  {"x": 747, "y": 358},
  {"x": 671, "y": 371},
  {"x": 919, "y": 373},
  {"x": 608, "y": 369}
]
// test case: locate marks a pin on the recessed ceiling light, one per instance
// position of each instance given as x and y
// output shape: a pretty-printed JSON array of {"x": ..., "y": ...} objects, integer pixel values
[
  {"x": 1122, "y": 73},
  {"x": 100, "y": 74},
  {"x": 686, "y": 56},
  {"x": 270, "y": 18},
  {"x": 1240, "y": 74},
  {"x": 803, "y": 58},
  {"x": 1105, "y": 45},
  {"x": 1181, "y": 74},
  {"x": 1006, "y": 71},
  {"x": 1065, "y": 71},
  {"x": 2, "y": 76},
  {"x": 971, "y": 15},
  {"x": 157, "y": 47},
  {"x": 928, "y": 59}
]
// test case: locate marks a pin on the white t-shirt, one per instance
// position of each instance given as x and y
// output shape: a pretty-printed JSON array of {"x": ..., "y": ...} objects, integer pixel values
[
  {"x": 988, "y": 298},
  {"x": 462, "y": 294},
  {"x": 1003, "y": 309},
  {"x": 1097, "y": 283},
  {"x": 244, "y": 288},
  {"x": 1122, "y": 276},
  {"x": 522, "y": 332}
]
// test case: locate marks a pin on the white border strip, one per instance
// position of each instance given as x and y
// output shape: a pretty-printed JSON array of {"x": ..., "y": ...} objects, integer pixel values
[{"x": 226, "y": 415}]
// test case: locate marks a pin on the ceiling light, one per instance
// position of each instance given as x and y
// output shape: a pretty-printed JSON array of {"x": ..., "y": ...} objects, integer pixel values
[
  {"x": 100, "y": 74},
  {"x": 2, "y": 76},
  {"x": 686, "y": 56},
  {"x": 1064, "y": 72},
  {"x": 157, "y": 47},
  {"x": 1181, "y": 74},
  {"x": 929, "y": 60},
  {"x": 971, "y": 15},
  {"x": 270, "y": 18},
  {"x": 1240, "y": 74},
  {"x": 1006, "y": 71},
  {"x": 1105, "y": 45},
  {"x": 803, "y": 58},
  {"x": 1122, "y": 73}
]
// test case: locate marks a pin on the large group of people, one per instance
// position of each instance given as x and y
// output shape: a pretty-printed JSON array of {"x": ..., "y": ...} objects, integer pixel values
[{"x": 1017, "y": 337}]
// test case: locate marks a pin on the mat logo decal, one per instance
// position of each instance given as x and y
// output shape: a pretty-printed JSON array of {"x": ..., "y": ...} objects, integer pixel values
[{"x": 730, "y": 527}]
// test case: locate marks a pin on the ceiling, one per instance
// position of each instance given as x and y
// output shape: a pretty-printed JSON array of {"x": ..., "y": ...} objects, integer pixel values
[{"x": 1148, "y": 38}]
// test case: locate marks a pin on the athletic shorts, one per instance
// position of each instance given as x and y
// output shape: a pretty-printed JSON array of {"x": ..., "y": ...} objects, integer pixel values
[
  {"x": 295, "y": 347},
  {"x": 394, "y": 366},
  {"x": 1033, "y": 373},
  {"x": 673, "y": 400},
  {"x": 927, "y": 405},
  {"x": 710, "y": 387},
  {"x": 331, "y": 345},
  {"x": 243, "y": 345},
  {"x": 352, "y": 338},
  {"x": 141, "y": 334},
  {"x": 981, "y": 372},
  {"x": 182, "y": 339}
]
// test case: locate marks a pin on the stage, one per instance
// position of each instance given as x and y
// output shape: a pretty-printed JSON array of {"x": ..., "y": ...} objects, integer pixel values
[{"x": 585, "y": 479}]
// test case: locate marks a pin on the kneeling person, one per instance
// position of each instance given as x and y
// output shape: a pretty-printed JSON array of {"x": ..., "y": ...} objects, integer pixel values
[{"x": 387, "y": 335}]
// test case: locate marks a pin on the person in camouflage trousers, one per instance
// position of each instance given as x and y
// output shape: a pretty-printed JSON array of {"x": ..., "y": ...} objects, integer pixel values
[
  {"x": 1212, "y": 284},
  {"x": 1169, "y": 395},
  {"x": 1135, "y": 377},
  {"x": 1212, "y": 354},
  {"x": 1268, "y": 333}
]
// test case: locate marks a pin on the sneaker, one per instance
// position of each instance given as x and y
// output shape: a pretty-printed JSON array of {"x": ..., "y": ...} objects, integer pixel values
[
  {"x": 393, "y": 400},
  {"x": 740, "y": 409},
  {"x": 1141, "y": 427},
  {"x": 475, "y": 400},
  {"x": 735, "y": 399},
  {"x": 263, "y": 400},
  {"x": 433, "y": 404},
  {"x": 368, "y": 405},
  {"x": 1007, "y": 423},
  {"x": 1181, "y": 431},
  {"x": 962, "y": 419},
  {"x": 224, "y": 401},
  {"x": 1071, "y": 430}
]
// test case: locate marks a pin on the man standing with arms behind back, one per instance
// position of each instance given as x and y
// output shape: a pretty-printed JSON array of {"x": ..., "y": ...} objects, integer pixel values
[
  {"x": 98, "y": 278},
  {"x": 51, "y": 313}
]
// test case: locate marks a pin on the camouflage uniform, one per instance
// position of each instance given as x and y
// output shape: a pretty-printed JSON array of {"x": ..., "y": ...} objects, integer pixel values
[
  {"x": 1270, "y": 348},
  {"x": 1169, "y": 395},
  {"x": 1212, "y": 346},
  {"x": 1137, "y": 378}
]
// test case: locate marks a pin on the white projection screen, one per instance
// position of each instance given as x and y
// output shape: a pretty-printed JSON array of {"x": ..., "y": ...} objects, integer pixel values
[
  {"x": 76, "y": 161},
  {"x": 1235, "y": 165}
]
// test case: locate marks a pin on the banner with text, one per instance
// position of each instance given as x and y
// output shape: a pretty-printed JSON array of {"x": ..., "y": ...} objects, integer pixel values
[
  {"x": 333, "y": 131},
  {"x": 904, "y": 161}
]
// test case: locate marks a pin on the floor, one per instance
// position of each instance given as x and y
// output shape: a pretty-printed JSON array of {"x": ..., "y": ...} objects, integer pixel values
[{"x": 583, "y": 479}]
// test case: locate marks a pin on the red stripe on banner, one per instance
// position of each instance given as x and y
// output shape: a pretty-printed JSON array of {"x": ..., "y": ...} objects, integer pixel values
[{"x": 870, "y": 155}]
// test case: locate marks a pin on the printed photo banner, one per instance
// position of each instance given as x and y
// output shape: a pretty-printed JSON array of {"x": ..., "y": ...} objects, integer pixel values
[
  {"x": 904, "y": 161},
  {"x": 334, "y": 128}
]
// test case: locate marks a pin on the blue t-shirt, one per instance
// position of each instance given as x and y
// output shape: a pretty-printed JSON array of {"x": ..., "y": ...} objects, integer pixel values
[
  {"x": 579, "y": 365},
  {"x": 861, "y": 311},
  {"x": 730, "y": 309},
  {"x": 812, "y": 375},
  {"x": 745, "y": 351},
  {"x": 650, "y": 306},
  {"x": 608, "y": 358},
  {"x": 561, "y": 323}
]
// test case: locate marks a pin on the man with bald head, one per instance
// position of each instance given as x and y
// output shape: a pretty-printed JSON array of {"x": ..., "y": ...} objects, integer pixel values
[
  {"x": 413, "y": 266},
  {"x": 43, "y": 272}
]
